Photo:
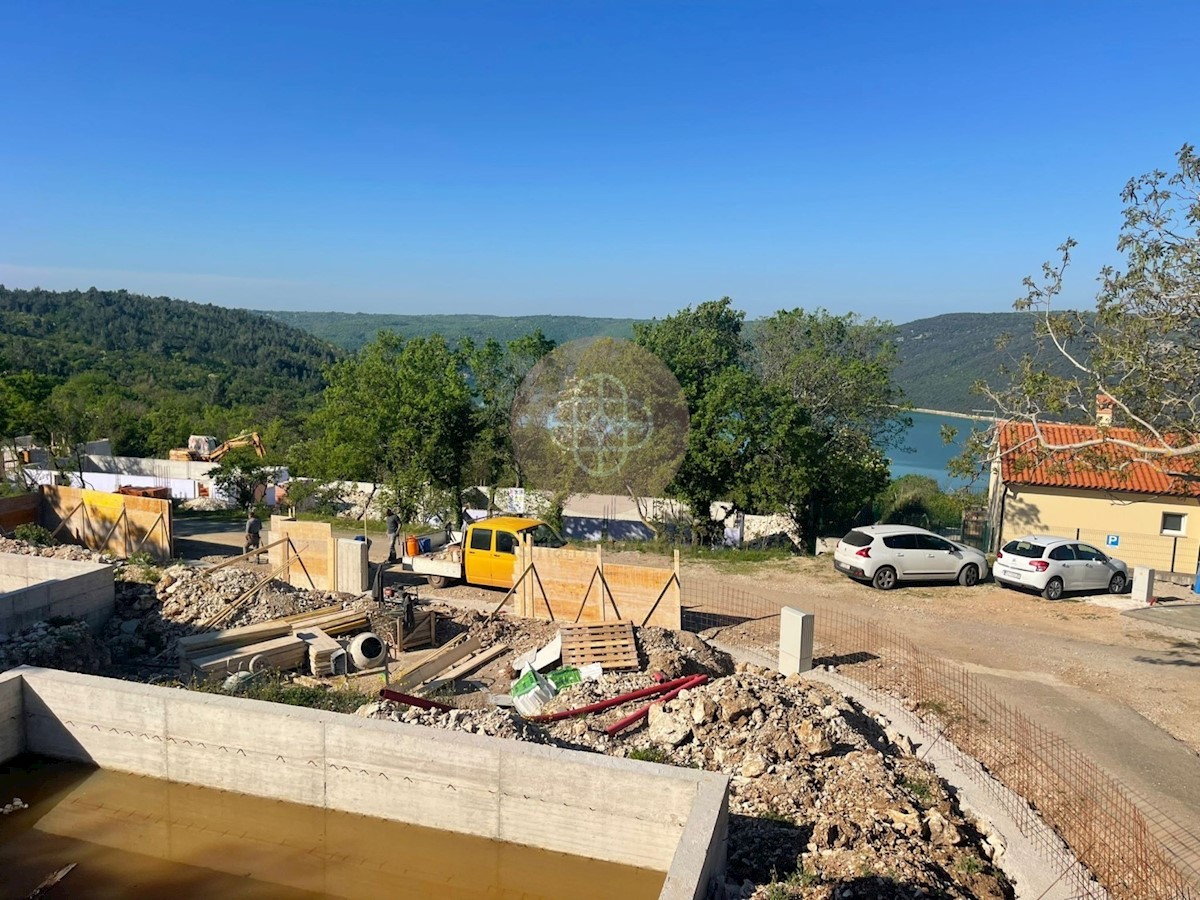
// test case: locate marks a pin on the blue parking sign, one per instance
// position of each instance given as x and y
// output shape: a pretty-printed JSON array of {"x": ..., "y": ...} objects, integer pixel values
[{"x": 1113, "y": 540}]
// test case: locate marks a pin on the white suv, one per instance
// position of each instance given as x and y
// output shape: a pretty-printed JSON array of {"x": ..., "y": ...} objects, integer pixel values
[
  {"x": 886, "y": 554},
  {"x": 1055, "y": 565}
]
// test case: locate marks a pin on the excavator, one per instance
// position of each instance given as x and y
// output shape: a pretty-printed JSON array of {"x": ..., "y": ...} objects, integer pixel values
[{"x": 204, "y": 447}]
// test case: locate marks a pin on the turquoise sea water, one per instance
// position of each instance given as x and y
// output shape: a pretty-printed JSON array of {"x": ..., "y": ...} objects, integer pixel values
[{"x": 925, "y": 453}]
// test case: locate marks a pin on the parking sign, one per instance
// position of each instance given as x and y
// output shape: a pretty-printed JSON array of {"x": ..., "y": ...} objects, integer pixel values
[{"x": 1113, "y": 540}]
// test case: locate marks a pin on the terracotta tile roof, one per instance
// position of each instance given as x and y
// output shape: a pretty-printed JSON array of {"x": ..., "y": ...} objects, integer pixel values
[{"x": 1023, "y": 461}]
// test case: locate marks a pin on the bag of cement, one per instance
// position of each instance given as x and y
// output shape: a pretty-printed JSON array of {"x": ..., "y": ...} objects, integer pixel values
[
  {"x": 531, "y": 691},
  {"x": 569, "y": 675}
]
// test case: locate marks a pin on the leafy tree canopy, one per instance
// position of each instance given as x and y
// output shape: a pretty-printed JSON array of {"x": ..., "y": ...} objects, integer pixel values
[{"x": 1140, "y": 347}]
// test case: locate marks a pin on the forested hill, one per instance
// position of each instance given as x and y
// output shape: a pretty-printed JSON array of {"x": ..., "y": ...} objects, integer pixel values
[
  {"x": 352, "y": 330},
  {"x": 148, "y": 371},
  {"x": 941, "y": 357}
]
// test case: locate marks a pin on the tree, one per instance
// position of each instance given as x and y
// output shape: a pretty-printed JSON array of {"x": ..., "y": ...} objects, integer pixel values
[
  {"x": 240, "y": 474},
  {"x": 496, "y": 374},
  {"x": 837, "y": 368},
  {"x": 1140, "y": 347},
  {"x": 397, "y": 414},
  {"x": 838, "y": 371},
  {"x": 697, "y": 344}
]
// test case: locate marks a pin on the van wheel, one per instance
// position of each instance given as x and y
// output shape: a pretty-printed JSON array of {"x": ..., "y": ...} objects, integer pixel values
[
  {"x": 437, "y": 581},
  {"x": 969, "y": 576},
  {"x": 1053, "y": 589},
  {"x": 1116, "y": 584},
  {"x": 885, "y": 578}
]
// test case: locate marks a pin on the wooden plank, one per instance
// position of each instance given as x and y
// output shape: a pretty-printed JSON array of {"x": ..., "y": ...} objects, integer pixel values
[
  {"x": 466, "y": 667},
  {"x": 442, "y": 659},
  {"x": 323, "y": 650},
  {"x": 611, "y": 644},
  {"x": 283, "y": 653}
]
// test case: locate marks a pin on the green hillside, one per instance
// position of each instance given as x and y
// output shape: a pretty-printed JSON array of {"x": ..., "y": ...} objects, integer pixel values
[
  {"x": 941, "y": 357},
  {"x": 148, "y": 371},
  {"x": 352, "y": 330}
]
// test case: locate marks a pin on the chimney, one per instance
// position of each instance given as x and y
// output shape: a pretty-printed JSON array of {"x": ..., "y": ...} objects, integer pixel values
[{"x": 1104, "y": 410}]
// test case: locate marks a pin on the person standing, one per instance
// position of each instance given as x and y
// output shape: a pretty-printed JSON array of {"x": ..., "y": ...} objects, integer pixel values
[
  {"x": 253, "y": 534},
  {"x": 393, "y": 533}
]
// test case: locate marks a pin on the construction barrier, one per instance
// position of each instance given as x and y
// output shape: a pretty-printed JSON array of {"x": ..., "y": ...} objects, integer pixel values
[
  {"x": 579, "y": 586},
  {"x": 116, "y": 524}
]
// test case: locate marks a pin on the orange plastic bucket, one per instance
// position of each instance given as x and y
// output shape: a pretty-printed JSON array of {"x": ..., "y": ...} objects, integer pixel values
[{"x": 411, "y": 547}]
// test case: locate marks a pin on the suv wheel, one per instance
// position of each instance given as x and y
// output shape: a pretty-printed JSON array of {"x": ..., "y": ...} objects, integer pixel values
[{"x": 885, "y": 578}]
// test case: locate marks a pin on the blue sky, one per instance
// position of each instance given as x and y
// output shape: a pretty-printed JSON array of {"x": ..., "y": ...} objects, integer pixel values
[{"x": 623, "y": 159}]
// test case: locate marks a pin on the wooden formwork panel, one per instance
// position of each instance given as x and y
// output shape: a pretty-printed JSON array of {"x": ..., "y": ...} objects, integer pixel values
[
  {"x": 108, "y": 523},
  {"x": 19, "y": 510},
  {"x": 314, "y": 543},
  {"x": 579, "y": 586},
  {"x": 610, "y": 644}
]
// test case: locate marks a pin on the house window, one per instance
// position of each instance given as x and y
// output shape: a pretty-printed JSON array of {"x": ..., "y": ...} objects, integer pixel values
[{"x": 1174, "y": 524}]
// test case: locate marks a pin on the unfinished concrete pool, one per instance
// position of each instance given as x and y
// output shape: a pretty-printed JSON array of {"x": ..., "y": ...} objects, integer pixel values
[{"x": 183, "y": 792}]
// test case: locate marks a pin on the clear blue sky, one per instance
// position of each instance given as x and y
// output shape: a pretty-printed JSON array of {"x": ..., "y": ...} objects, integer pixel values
[{"x": 617, "y": 158}]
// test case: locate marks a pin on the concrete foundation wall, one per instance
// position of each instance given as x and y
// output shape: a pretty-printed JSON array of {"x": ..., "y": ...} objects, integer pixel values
[
  {"x": 38, "y": 588},
  {"x": 639, "y": 814}
]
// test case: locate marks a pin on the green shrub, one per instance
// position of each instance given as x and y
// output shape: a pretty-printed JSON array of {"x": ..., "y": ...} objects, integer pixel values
[{"x": 33, "y": 534}]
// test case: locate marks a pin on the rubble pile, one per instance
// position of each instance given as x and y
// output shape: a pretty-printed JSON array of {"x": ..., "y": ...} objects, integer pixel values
[
  {"x": 59, "y": 551},
  {"x": 149, "y": 618},
  {"x": 826, "y": 800},
  {"x": 57, "y": 644}
]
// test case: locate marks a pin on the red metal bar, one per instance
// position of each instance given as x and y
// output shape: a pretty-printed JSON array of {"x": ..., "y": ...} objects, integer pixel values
[
  {"x": 694, "y": 681},
  {"x": 409, "y": 700},
  {"x": 614, "y": 701}
]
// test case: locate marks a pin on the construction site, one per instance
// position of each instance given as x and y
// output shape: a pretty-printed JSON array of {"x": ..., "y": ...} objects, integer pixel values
[{"x": 589, "y": 724}]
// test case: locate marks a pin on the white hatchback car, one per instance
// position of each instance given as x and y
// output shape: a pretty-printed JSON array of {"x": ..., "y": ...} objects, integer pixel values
[
  {"x": 887, "y": 554},
  {"x": 1056, "y": 565}
]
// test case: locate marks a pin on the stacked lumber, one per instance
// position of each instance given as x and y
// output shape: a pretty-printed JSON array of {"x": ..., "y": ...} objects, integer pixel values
[
  {"x": 611, "y": 644},
  {"x": 281, "y": 653},
  {"x": 279, "y": 643},
  {"x": 324, "y": 653}
]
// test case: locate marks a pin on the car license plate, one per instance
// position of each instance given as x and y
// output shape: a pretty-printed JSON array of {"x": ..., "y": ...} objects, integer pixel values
[
  {"x": 841, "y": 565},
  {"x": 1011, "y": 573}
]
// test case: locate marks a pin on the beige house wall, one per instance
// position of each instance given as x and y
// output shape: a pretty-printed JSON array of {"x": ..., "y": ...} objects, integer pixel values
[{"x": 1135, "y": 520}]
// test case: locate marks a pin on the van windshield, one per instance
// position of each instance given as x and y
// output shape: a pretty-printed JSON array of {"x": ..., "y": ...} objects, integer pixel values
[{"x": 544, "y": 536}]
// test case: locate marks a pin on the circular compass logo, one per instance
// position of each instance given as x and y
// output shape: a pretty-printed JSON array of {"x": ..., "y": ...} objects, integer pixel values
[{"x": 600, "y": 416}]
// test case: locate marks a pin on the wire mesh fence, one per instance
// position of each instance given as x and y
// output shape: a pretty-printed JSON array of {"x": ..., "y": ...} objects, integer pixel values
[{"x": 1133, "y": 851}]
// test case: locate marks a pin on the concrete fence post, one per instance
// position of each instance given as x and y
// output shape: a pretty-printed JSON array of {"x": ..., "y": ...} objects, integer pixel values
[
  {"x": 795, "y": 641},
  {"x": 1143, "y": 584}
]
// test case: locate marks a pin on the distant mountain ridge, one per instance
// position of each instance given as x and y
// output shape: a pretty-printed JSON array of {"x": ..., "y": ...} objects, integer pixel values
[
  {"x": 940, "y": 357},
  {"x": 352, "y": 330}
]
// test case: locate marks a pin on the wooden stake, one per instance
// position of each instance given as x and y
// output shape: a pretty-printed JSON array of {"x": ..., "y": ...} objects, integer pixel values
[
  {"x": 661, "y": 594},
  {"x": 312, "y": 584},
  {"x": 66, "y": 519},
  {"x": 504, "y": 599},
  {"x": 585, "y": 596},
  {"x": 542, "y": 588},
  {"x": 226, "y": 562},
  {"x": 611, "y": 598}
]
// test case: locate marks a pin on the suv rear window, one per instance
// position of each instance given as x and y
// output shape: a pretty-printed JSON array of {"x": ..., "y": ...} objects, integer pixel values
[
  {"x": 857, "y": 539},
  {"x": 1024, "y": 548}
]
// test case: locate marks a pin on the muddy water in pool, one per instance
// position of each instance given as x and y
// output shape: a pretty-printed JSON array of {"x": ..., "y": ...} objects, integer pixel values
[{"x": 133, "y": 837}]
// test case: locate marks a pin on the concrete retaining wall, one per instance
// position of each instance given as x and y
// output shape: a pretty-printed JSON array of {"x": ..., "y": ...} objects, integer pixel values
[
  {"x": 639, "y": 814},
  {"x": 36, "y": 588}
]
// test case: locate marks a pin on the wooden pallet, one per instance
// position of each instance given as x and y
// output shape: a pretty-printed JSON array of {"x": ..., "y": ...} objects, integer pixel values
[{"x": 611, "y": 644}]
